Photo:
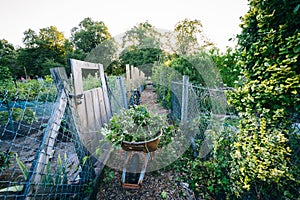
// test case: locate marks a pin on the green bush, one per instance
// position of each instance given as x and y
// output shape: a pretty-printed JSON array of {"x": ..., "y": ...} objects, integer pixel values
[
  {"x": 31, "y": 90},
  {"x": 264, "y": 164},
  {"x": 210, "y": 176},
  {"x": 27, "y": 116}
]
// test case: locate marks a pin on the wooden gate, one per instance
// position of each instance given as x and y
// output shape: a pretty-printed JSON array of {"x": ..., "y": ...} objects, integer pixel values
[{"x": 91, "y": 100}]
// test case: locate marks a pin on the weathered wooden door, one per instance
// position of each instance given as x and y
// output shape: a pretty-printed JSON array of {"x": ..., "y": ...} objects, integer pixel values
[{"x": 91, "y": 100}]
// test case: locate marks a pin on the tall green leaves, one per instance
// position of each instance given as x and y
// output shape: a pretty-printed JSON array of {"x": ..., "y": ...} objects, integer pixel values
[{"x": 268, "y": 100}]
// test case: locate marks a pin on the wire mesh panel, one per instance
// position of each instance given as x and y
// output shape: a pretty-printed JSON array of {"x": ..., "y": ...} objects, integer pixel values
[
  {"x": 176, "y": 100},
  {"x": 117, "y": 93},
  {"x": 200, "y": 100},
  {"x": 41, "y": 155}
]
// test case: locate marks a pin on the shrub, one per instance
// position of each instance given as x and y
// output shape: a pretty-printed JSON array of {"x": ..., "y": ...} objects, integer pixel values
[
  {"x": 27, "y": 116},
  {"x": 210, "y": 176},
  {"x": 268, "y": 102}
]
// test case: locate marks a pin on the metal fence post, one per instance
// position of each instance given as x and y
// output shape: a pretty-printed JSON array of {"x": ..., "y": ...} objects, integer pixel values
[{"x": 185, "y": 99}]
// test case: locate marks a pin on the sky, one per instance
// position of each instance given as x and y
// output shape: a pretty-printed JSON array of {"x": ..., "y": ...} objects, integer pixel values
[{"x": 220, "y": 18}]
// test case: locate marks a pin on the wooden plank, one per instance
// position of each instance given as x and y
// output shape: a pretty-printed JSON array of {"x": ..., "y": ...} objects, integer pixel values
[
  {"x": 89, "y": 110},
  {"x": 136, "y": 78},
  {"x": 77, "y": 75},
  {"x": 105, "y": 92},
  {"x": 132, "y": 78},
  {"x": 97, "y": 111},
  {"x": 103, "y": 113}
]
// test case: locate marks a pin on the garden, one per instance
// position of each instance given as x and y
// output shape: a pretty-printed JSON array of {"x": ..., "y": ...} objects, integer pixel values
[{"x": 203, "y": 124}]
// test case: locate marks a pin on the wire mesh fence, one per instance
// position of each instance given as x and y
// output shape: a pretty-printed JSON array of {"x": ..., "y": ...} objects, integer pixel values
[
  {"x": 42, "y": 154},
  {"x": 40, "y": 157},
  {"x": 200, "y": 112},
  {"x": 118, "y": 95},
  {"x": 199, "y": 101}
]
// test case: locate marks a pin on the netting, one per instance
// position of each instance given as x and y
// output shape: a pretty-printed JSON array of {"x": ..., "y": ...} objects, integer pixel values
[
  {"x": 200, "y": 101},
  {"x": 26, "y": 114},
  {"x": 118, "y": 95},
  {"x": 42, "y": 151}
]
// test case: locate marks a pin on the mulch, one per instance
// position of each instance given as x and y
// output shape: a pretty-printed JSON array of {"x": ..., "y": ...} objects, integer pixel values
[{"x": 162, "y": 184}]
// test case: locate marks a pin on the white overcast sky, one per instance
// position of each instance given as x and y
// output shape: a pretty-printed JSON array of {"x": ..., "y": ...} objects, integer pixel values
[{"x": 220, "y": 18}]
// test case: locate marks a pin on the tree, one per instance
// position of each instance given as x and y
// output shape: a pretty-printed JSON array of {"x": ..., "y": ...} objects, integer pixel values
[
  {"x": 142, "y": 36},
  {"x": 42, "y": 51},
  {"x": 265, "y": 161},
  {"x": 8, "y": 55},
  {"x": 142, "y": 47},
  {"x": 187, "y": 33},
  {"x": 88, "y": 35}
]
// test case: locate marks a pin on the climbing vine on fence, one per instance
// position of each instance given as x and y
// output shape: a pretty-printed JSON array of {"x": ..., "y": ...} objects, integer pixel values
[{"x": 268, "y": 102}]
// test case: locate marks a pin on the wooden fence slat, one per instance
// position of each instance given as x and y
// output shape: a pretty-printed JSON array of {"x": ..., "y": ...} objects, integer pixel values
[
  {"x": 97, "y": 110},
  {"x": 134, "y": 78},
  {"x": 128, "y": 78},
  {"x": 103, "y": 113},
  {"x": 105, "y": 93}
]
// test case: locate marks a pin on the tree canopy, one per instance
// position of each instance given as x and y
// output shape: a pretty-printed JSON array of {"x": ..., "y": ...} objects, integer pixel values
[
  {"x": 89, "y": 34},
  {"x": 189, "y": 36},
  {"x": 42, "y": 51},
  {"x": 8, "y": 55}
]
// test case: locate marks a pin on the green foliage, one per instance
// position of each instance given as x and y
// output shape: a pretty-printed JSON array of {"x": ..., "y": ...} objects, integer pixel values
[
  {"x": 187, "y": 33},
  {"x": 142, "y": 36},
  {"x": 27, "y": 116},
  {"x": 5, "y": 160},
  {"x": 8, "y": 55},
  {"x": 162, "y": 76},
  {"x": 210, "y": 176},
  {"x": 268, "y": 102},
  {"x": 89, "y": 34},
  {"x": 133, "y": 125},
  {"x": 164, "y": 195},
  {"x": 50, "y": 178},
  {"x": 141, "y": 58},
  {"x": 43, "y": 51},
  {"x": 103, "y": 53},
  {"x": 108, "y": 174},
  {"x": 22, "y": 168},
  {"x": 227, "y": 65},
  {"x": 31, "y": 90},
  {"x": 6, "y": 79},
  {"x": 142, "y": 47},
  {"x": 91, "y": 82}
]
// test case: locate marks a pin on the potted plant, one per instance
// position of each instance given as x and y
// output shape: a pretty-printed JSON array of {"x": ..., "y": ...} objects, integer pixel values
[{"x": 136, "y": 129}]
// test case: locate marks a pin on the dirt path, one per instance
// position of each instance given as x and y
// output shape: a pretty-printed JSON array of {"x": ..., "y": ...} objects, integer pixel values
[
  {"x": 149, "y": 98},
  {"x": 156, "y": 185}
]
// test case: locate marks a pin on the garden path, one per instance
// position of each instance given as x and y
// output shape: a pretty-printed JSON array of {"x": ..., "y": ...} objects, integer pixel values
[{"x": 162, "y": 184}]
